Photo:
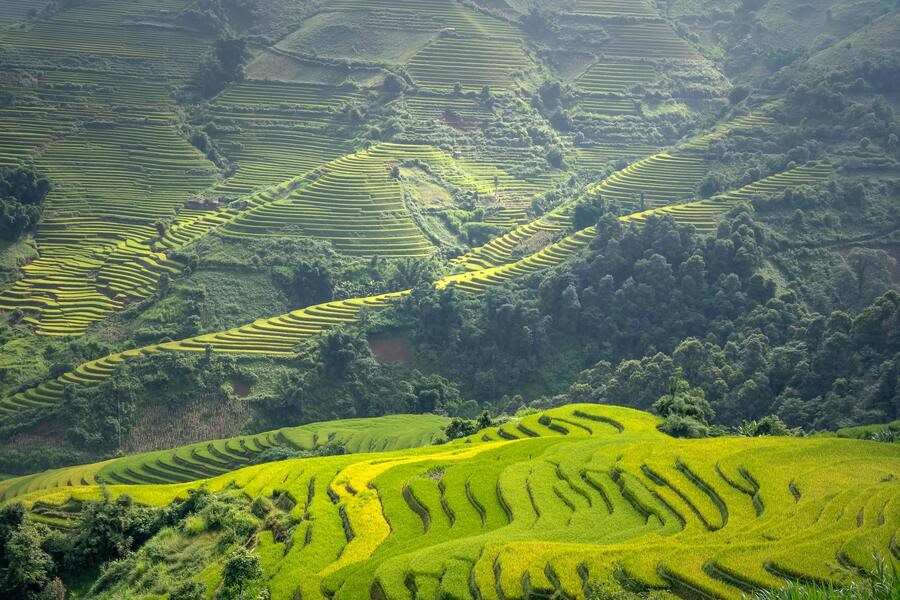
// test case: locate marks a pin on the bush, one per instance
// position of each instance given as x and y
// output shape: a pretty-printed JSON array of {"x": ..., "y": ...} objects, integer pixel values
[
  {"x": 194, "y": 525},
  {"x": 242, "y": 577},
  {"x": 883, "y": 584},
  {"x": 22, "y": 193},
  {"x": 189, "y": 590},
  {"x": 221, "y": 67}
]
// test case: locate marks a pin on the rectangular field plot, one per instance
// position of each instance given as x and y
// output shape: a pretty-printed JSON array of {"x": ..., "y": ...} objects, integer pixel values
[
  {"x": 428, "y": 15},
  {"x": 353, "y": 203},
  {"x": 23, "y": 132},
  {"x": 595, "y": 157},
  {"x": 266, "y": 156},
  {"x": 608, "y": 77},
  {"x": 12, "y": 11},
  {"x": 288, "y": 95},
  {"x": 108, "y": 88},
  {"x": 132, "y": 171},
  {"x": 455, "y": 111},
  {"x": 115, "y": 12},
  {"x": 472, "y": 62},
  {"x": 655, "y": 39},
  {"x": 173, "y": 52},
  {"x": 608, "y": 107},
  {"x": 615, "y": 8}
]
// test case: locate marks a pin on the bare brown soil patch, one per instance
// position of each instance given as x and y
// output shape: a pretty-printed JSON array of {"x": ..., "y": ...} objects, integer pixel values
[{"x": 393, "y": 349}]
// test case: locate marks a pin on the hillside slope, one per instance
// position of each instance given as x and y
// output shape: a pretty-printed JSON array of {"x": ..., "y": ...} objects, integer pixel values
[{"x": 543, "y": 505}]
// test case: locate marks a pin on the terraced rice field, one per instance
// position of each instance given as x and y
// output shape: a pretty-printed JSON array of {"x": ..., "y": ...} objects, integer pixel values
[
  {"x": 132, "y": 173},
  {"x": 462, "y": 112},
  {"x": 703, "y": 215},
  {"x": 23, "y": 131},
  {"x": 491, "y": 264},
  {"x": 608, "y": 77},
  {"x": 111, "y": 184},
  {"x": 104, "y": 131},
  {"x": 266, "y": 156},
  {"x": 275, "y": 131},
  {"x": 353, "y": 203},
  {"x": 473, "y": 63},
  {"x": 608, "y": 107},
  {"x": 12, "y": 11},
  {"x": 64, "y": 296},
  {"x": 650, "y": 39},
  {"x": 280, "y": 335},
  {"x": 428, "y": 15},
  {"x": 273, "y": 94},
  {"x": 616, "y": 8},
  {"x": 499, "y": 267},
  {"x": 212, "y": 458},
  {"x": 549, "y": 503},
  {"x": 661, "y": 178},
  {"x": 51, "y": 40},
  {"x": 596, "y": 157}
]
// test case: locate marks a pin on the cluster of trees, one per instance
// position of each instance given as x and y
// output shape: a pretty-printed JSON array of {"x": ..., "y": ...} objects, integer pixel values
[
  {"x": 22, "y": 193},
  {"x": 99, "y": 417},
  {"x": 336, "y": 376},
  {"x": 32, "y": 556},
  {"x": 116, "y": 538},
  {"x": 220, "y": 16},
  {"x": 809, "y": 370},
  {"x": 644, "y": 304},
  {"x": 224, "y": 65}
]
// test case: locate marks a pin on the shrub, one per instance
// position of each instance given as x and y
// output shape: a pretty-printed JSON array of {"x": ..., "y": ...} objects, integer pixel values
[
  {"x": 883, "y": 584},
  {"x": 22, "y": 193},
  {"x": 194, "y": 525},
  {"x": 189, "y": 590}
]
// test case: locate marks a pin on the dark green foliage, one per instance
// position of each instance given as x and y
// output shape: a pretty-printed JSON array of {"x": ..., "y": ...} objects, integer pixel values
[
  {"x": 276, "y": 453},
  {"x": 604, "y": 591},
  {"x": 225, "y": 64},
  {"x": 537, "y": 22},
  {"x": 826, "y": 372},
  {"x": 309, "y": 283},
  {"x": 25, "y": 567},
  {"x": 189, "y": 590},
  {"x": 588, "y": 212},
  {"x": 108, "y": 530},
  {"x": 685, "y": 409},
  {"x": 242, "y": 577},
  {"x": 480, "y": 233},
  {"x": 768, "y": 425},
  {"x": 99, "y": 417},
  {"x": 409, "y": 273},
  {"x": 337, "y": 377},
  {"x": 22, "y": 193},
  {"x": 220, "y": 16},
  {"x": 460, "y": 428}
]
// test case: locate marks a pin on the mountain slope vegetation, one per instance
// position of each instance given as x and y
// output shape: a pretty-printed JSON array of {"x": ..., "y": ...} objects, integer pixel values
[{"x": 245, "y": 243}]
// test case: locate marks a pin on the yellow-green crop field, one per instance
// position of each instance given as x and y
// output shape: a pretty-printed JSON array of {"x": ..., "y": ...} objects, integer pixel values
[{"x": 545, "y": 504}]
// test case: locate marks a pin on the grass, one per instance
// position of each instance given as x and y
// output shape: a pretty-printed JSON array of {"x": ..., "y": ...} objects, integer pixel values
[
  {"x": 882, "y": 584},
  {"x": 558, "y": 499}
]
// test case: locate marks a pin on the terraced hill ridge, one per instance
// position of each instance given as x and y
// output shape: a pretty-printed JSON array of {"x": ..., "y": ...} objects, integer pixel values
[
  {"x": 211, "y": 458},
  {"x": 279, "y": 335},
  {"x": 546, "y": 504}
]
